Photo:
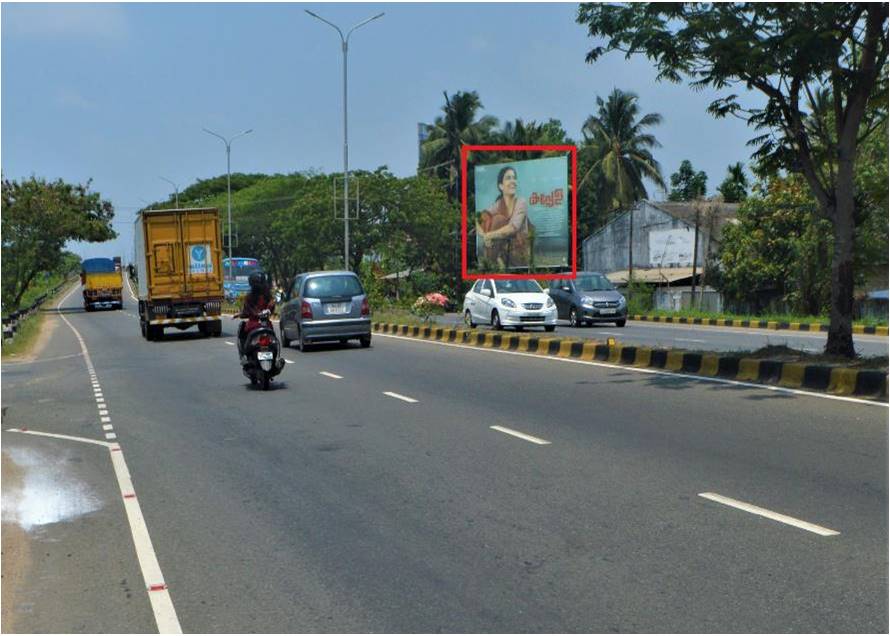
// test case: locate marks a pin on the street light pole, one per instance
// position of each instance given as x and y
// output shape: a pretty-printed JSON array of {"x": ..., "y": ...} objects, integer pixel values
[
  {"x": 228, "y": 143},
  {"x": 175, "y": 189},
  {"x": 344, "y": 41}
]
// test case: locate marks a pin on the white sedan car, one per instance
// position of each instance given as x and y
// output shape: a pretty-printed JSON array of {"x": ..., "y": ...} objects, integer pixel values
[{"x": 509, "y": 303}]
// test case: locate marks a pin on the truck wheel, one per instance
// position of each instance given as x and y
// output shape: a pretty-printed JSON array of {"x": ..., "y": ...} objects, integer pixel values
[
  {"x": 155, "y": 332},
  {"x": 216, "y": 331}
]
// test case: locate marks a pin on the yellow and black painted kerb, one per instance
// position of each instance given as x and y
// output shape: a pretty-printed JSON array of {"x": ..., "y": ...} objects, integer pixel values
[
  {"x": 757, "y": 324},
  {"x": 836, "y": 380}
]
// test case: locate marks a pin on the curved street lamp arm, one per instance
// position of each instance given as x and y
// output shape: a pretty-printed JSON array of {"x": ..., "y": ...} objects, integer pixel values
[
  {"x": 328, "y": 22},
  {"x": 361, "y": 24}
]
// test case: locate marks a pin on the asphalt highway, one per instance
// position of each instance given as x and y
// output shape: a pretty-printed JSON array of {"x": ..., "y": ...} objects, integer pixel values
[
  {"x": 421, "y": 487},
  {"x": 705, "y": 338}
]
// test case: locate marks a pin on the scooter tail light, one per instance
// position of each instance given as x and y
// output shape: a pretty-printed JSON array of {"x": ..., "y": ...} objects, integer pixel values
[
  {"x": 264, "y": 340},
  {"x": 305, "y": 310}
]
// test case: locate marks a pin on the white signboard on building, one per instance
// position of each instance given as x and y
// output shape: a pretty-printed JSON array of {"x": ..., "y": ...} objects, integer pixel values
[{"x": 671, "y": 248}]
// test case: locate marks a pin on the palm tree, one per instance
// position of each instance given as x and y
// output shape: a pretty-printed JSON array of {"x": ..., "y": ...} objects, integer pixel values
[
  {"x": 620, "y": 151},
  {"x": 532, "y": 133},
  {"x": 440, "y": 153},
  {"x": 735, "y": 186}
]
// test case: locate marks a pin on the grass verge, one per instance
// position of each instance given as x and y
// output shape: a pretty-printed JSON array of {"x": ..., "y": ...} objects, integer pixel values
[{"x": 30, "y": 328}]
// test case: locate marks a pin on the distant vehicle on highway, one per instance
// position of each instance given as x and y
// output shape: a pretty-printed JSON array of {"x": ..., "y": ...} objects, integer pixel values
[
  {"x": 326, "y": 306},
  {"x": 589, "y": 298},
  {"x": 235, "y": 274},
  {"x": 102, "y": 283},
  {"x": 509, "y": 303}
]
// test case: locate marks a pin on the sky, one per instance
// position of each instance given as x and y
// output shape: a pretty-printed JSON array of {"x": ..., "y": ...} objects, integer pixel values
[{"x": 119, "y": 93}]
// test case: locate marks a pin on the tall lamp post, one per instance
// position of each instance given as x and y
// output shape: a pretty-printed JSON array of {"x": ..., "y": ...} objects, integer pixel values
[
  {"x": 228, "y": 143},
  {"x": 344, "y": 40},
  {"x": 175, "y": 189}
]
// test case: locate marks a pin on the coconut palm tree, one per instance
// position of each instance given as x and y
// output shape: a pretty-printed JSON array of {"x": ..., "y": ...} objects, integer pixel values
[
  {"x": 621, "y": 149},
  {"x": 440, "y": 153},
  {"x": 620, "y": 155}
]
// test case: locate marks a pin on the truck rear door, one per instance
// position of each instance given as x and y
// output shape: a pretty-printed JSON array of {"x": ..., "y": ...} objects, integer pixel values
[
  {"x": 202, "y": 254},
  {"x": 165, "y": 259}
]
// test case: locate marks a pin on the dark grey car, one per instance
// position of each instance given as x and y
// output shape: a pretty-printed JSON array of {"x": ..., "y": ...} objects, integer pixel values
[
  {"x": 326, "y": 306},
  {"x": 587, "y": 299}
]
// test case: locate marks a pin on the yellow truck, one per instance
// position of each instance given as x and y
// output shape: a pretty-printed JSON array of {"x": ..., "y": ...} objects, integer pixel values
[
  {"x": 178, "y": 260},
  {"x": 102, "y": 284}
]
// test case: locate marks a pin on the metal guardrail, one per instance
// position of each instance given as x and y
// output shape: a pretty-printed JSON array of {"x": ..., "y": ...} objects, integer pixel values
[{"x": 12, "y": 322}]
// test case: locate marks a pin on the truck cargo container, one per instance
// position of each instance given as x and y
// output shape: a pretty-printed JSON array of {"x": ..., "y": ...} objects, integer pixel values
[
  {"x": 179, "y": 270},
  {"x": 102, "y": 284}
]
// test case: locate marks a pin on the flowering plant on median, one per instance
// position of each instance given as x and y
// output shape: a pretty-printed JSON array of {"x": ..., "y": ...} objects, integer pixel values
[{"x": 433, "y": 304}]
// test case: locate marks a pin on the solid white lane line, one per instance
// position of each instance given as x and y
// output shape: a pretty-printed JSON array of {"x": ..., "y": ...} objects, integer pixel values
[
  {"x": 332, "y": 375},
  {"x": 158, "y": 594},
  {"x": 688, "y": 340},
  {"x": 70, "y": 438},
  {"x": 618, "y": 367},
  {"x": 400, "y": 397},
  {"x": 528, "y": 438},
  {"x": 769, "y": 514},
  {"x": 107, "y": 427}
]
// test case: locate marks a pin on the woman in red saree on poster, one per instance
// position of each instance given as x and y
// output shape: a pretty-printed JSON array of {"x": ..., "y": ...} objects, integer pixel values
[{"x": 504, "y": 227}]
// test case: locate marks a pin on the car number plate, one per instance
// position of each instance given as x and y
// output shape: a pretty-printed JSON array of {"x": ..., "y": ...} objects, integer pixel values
[
  {"x": 333, "y": 309},
  {"x": 264, "y": 355},
  {"x": 607, "y": 311}
]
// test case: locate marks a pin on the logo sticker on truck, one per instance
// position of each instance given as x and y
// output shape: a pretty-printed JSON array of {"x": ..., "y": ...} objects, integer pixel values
[{"x": 199, "y": 261}]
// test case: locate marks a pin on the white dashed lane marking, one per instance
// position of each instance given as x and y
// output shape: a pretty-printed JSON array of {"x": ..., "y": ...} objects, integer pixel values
[
  {"x": 404, "y": 398},
  {"x": 339, "y": 377},
  {"x": 526, "y": 437},
  {"x": 769, "y": 514}
]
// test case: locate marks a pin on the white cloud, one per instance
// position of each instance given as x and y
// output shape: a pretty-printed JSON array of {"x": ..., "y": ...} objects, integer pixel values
[{"x": 64, "y": 19}]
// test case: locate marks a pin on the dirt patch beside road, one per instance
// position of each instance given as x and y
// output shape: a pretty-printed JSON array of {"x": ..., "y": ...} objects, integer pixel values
[{"x": 15, "y": 551}]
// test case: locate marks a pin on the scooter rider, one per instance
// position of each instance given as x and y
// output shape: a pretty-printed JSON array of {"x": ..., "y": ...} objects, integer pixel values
[{"x": 258, "y": 300}]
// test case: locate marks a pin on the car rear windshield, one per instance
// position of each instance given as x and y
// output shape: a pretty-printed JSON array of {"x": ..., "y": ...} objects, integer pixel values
[
  {"x": 593, "y": 282},
  {"x": 517, "y": 286},
  {"x": 326, "y": 286}
]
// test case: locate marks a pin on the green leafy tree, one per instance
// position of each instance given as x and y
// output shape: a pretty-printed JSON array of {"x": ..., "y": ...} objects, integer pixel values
[
  {"x": 778, "y": 251},
  {"x": 38, "y": 219},
  {"x": 687, "y": 184},
  {"x": 459, "y": 125},
  {"x": 787, "y": 52},
  {"x": 735, "y": 186}
]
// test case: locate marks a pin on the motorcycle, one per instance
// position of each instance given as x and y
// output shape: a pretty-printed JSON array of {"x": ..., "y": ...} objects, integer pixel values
[{"x": 261, "y": 355}]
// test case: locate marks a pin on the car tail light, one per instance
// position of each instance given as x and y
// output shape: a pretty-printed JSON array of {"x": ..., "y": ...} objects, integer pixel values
[
  {"x": 264, "y": 340},
  {"x": 305, "y": 310},
  {"x": 366, "y": 308}
]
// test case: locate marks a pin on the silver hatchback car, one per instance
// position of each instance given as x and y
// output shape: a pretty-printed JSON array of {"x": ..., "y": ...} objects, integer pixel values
[{"x": 326, "y": 306}]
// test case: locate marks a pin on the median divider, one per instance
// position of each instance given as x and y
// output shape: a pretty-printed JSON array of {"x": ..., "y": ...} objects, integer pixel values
[
  {"x": 845, "y": 381},
  {"x": 757, "y": 324}
]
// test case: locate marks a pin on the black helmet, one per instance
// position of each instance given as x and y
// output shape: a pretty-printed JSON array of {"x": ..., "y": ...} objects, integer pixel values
[{"x": 257, "y": 281}]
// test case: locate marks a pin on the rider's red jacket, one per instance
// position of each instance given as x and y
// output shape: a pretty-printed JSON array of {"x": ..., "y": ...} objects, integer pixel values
[{"x": 252, "y": 308}]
